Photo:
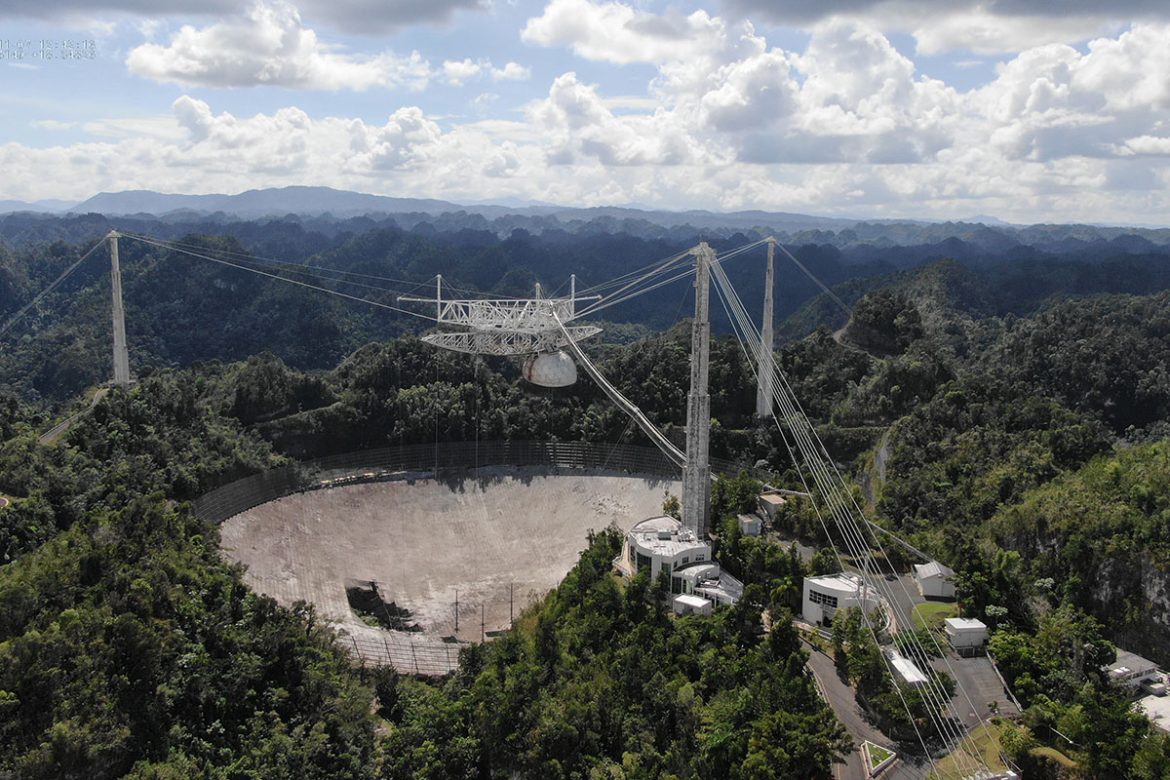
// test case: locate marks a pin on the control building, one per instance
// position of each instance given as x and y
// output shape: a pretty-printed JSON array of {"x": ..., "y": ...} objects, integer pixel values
[
  {"x": 664, "y": 544},
  {"x": 823, "y": 596}
]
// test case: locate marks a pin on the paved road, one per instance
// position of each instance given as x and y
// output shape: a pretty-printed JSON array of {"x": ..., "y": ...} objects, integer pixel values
[
  {"x": 844, "y": 705},
  {"x": 977, "y": 677},
  {"x": 904, "y": 592},
  {"x": 58, "y": 431}
]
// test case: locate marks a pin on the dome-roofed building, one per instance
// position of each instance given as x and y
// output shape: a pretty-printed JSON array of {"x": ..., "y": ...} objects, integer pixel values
[
  {"x": 661, "y": 544},
  {"x": 664, "y": 544}
]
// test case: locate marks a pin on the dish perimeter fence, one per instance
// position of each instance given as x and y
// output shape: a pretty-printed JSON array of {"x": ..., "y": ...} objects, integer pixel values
[{"x": 422, "y": 461}]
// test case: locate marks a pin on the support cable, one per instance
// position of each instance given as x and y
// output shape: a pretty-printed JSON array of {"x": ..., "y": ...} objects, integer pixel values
[
  {"x": 268, "y": 260},
  {"x": 829, "y": 488},
  {"x": 672, "y": 452},
  {"x": 833, "y": 545},
  {"x": 661, "y": 268},
  {"x": 832, "y": 295},
  {"x": 297, "y": 282},
  {"x": 618, "y": 280},
  {"x": 606, "y": 303},
  {"x": 858, "y": 544},
  {"x": 52, "y": 286}
]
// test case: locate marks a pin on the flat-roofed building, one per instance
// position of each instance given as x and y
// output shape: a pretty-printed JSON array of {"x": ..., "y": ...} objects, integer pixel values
[
  {"x": 686, "y": 604},
  {"x": 968, "y": 636},
  {"x": 1157, "y": 710},
  {"x": 750, "y": 525},
  {"x": 1132, "y": 670},
  {"x": 663, "y": 545},
  {"x": 770, "y": 504},
  {"x": 823, "y": 596}
]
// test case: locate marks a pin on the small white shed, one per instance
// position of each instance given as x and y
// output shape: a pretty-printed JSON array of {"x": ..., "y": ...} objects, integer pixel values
[
  {"x": 965, "y": 633},
  {"x": 935, "y": 581},
  {"x": 687, "y": 604},
  {"x": 906, "y": 669},
  {"x": 749, "y": 525},
  {"x": 770, "y": 503}
]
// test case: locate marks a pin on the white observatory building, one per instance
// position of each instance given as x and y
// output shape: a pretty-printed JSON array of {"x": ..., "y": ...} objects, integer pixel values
[
  {"x": 824, "y": 595},
  {"x": 661, "y": 544},
  {"x": 664, "y": 544}
]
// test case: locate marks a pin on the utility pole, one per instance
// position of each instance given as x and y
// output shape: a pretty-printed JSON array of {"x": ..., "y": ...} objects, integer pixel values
[
  {"x": 511, "y": 619},
  {"x": 764, "y": 379},
  {"x": 482, "y": 624},
  {"x": 457, "y": 610},
  {"x": 696, "y": 509},
  {"x": 121, "y": 355}
]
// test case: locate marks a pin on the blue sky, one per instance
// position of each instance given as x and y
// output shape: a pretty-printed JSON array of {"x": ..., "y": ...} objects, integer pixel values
[{"x": 1028, "y": 111}]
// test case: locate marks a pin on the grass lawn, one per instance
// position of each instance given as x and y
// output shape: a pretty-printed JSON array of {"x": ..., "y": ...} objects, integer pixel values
[
  {"x": 987, "y": 741},
  {"x": 932, "y": 614},
  {"x": 874, "y": 755},
  {"x": 816, "y": 640},
  {"x": 1055, "y": 756}
]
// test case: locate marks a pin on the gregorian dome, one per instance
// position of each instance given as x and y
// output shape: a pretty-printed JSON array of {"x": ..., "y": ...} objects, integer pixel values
[{"x": 551, "y": 369}]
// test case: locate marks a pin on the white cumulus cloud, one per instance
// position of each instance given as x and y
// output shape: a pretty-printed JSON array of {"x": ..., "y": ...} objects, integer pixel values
[
  {"x": 512, "y": 71},
  {"x": 269, "y": 45},
  {"x": 459, "y": 72},
  {"x": 615, "y": 32},
  {"x": 987, "y": 26},
  {"x": 845, "y": 123}
]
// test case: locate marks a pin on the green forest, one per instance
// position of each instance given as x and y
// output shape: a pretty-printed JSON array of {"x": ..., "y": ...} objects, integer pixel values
[{"x": 1014, "y": 425}]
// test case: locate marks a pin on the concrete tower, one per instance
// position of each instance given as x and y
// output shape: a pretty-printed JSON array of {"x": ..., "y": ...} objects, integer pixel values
[
  {"x": 121, "y": 355},
  {"x": 764, "y": 379},
  {"x": 696, "y": 508}
]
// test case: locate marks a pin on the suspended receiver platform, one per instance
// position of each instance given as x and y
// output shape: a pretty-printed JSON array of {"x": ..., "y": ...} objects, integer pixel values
[{"x": 505, "y": 326}]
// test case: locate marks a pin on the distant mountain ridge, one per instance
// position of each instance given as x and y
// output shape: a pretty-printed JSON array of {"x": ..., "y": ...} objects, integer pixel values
[
  {"x": 48, "y": 206},
  {"x": 258, "y": 203},
  {"x": 309, "y": 201},
  {"x": 317, "y": 204}
]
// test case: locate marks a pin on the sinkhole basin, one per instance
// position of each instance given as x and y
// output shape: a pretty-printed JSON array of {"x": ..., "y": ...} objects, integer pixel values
[{"x": 492, "y": 539}]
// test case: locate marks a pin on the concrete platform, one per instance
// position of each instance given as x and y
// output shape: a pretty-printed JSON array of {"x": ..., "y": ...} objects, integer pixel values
[{"x": 423, "y": 540}]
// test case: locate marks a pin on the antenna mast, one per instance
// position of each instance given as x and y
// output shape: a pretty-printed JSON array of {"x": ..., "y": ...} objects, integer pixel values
[
  {"x": 696, "y": 509},
  {"x": 121, "y": 354},
  {"x": 764, "y": 379}
]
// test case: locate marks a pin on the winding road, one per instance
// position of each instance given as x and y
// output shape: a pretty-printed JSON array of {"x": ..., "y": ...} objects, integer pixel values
[{"x": 58, "y": 431}]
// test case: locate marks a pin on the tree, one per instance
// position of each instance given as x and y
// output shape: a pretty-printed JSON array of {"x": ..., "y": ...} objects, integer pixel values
[{"x": 672, "y": 507}]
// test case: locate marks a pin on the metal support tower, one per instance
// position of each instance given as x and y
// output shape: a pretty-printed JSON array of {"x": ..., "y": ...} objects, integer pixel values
[
  {"x": 764, "y": 378},
  {"x": 121, "y": 355},
  {"x": 696, "y": 508}
]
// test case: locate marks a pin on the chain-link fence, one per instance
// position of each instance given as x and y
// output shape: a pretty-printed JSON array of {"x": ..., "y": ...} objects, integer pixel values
[
  {"x": 409, "y": 653},
  {"x": 433, "y": 460}
]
